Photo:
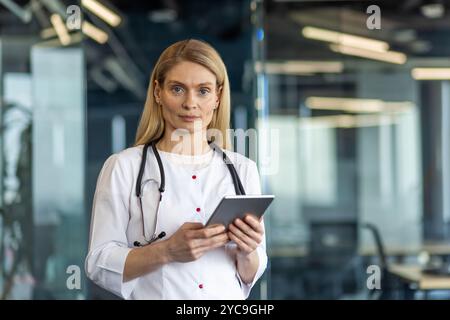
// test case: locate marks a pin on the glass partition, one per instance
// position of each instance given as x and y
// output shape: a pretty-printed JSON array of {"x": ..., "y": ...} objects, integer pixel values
[{"x": 356, "y": 125}]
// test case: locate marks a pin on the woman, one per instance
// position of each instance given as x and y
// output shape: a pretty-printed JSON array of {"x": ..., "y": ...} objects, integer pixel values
[{"x": 168, "y": 185}]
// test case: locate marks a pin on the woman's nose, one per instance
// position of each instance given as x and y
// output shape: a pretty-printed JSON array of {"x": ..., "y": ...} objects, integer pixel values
[{"x": 190, "y": 101}]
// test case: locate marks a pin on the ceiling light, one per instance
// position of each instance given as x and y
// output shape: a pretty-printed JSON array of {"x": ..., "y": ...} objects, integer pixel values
[
  {"x": 48, "y": 33},
  {"x": 431, "y": 73},
  {"x": 388, "y": 56},
  {"x": 60, "y": 29},
  {"x": 299, "y": 67},
  {"x": 163, "y": 16},
  {"x": 356, "y": 105},
  {"x": 433, "y": 10},
  {"x": 347, "y": 121},
  {"x": 103, "y": 12},
  {"x": 94, "y": 33},
  {"x": 344, "y": 39}
]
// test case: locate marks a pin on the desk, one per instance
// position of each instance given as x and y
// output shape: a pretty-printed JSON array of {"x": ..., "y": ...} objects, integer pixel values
[
  {"x": 433, "y": 248},
  {"x": 413, "y": 275}
]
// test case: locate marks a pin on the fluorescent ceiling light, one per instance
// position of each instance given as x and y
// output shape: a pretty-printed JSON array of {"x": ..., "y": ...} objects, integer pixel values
[
  {"x": 103, "y": 12},
  {"x": 388, "y": 56},
  {"x": 433, "y": 10},
  {"x": 299, "y": 67},
  {"x": 94, "y": 33},
  {"x": 431, "y": 73},
  {"x": 356, "y": 105},
  {"x": 48, "y": 33},
  {"x": 163, "y": 16},
  {"x": 344, "y": 39},
  {"x": 60, "y": 29},
  {"x": 347, "y": 121}
]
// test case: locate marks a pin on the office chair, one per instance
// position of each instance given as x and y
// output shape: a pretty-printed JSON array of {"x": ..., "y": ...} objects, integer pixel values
[
  {"x": 386, "y": 291},
  {"x": 332, "y": 259}
]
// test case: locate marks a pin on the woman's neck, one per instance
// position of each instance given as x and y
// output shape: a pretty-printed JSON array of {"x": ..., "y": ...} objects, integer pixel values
[{"x": 187, "y": 144}]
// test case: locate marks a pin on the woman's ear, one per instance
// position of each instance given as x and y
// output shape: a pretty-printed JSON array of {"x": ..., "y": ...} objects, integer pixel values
[
  {"x": 157, "y": 92},
  {"x": 219, "y": 95}
]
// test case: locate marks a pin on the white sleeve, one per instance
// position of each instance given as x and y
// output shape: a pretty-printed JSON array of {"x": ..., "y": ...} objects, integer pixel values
[
  {"x": 108, "y": 245},
  {"x": 252, "y": 186}
]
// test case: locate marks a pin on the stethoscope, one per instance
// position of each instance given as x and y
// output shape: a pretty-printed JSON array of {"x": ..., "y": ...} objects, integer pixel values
[{"x": 236, "y": 182}]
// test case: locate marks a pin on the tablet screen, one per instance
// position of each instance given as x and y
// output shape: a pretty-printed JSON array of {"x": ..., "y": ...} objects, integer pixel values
[{"x": 232, "y": 207}]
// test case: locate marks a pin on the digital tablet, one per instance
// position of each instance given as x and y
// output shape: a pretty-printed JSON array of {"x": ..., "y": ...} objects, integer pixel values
[{"x": 232, "y": 207}]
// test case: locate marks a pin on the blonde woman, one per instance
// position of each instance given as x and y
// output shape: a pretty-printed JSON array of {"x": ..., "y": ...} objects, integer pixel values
[{"x": 148, "y": 239}]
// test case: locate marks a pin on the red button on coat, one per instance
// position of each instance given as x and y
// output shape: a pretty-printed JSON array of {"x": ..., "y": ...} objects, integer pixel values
[
  {"x": 198, "y": 209},
  {"x": 194, "y": 177},
  {"x": 200, "y": 286}
]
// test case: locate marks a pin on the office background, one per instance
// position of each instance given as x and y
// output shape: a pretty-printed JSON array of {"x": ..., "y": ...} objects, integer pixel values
[{"x": 360, "y": 102}]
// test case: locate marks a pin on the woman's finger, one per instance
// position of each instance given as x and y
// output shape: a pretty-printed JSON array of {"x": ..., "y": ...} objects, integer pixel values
[
  {"x": 214, "y": 242},
  {"x": 248, "y": 230},
  {"x": 254, "y": 222},
  {"x": 243, "y": 237},
  {"x": 241, "y": 244}
]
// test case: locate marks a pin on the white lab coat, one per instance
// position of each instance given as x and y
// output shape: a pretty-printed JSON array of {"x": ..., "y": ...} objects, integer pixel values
[{"x": 192, "y": 193}]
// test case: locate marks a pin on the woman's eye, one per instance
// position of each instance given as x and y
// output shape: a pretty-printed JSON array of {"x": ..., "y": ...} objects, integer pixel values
[
  {"x": 204, "y": 91},
  {"x": 177, "y": 89}
]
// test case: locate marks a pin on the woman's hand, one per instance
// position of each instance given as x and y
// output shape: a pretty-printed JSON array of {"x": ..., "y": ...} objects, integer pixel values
[
  {"x": 192, "y": 240},
  {"x": 247, "y": 234}
]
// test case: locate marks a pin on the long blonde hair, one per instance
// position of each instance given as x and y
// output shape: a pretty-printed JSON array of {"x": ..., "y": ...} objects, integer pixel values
[{"x": 151, "y": 125}]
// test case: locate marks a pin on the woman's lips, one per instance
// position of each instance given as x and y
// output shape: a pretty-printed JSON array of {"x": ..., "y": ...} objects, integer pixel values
[{"x": 189, "y": 118}]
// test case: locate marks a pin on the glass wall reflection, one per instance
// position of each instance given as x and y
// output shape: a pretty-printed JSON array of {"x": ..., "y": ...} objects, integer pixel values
[
  {"x": 43, "y": 99},
  {"x": 360, "y": 147}
]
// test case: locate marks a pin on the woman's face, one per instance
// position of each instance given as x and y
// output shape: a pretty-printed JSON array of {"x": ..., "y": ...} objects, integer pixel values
[{"x": 188, "y": 97}]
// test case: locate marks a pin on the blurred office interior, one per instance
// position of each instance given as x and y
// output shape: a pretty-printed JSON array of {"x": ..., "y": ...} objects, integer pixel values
[{"x": 356, "y": 92}]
